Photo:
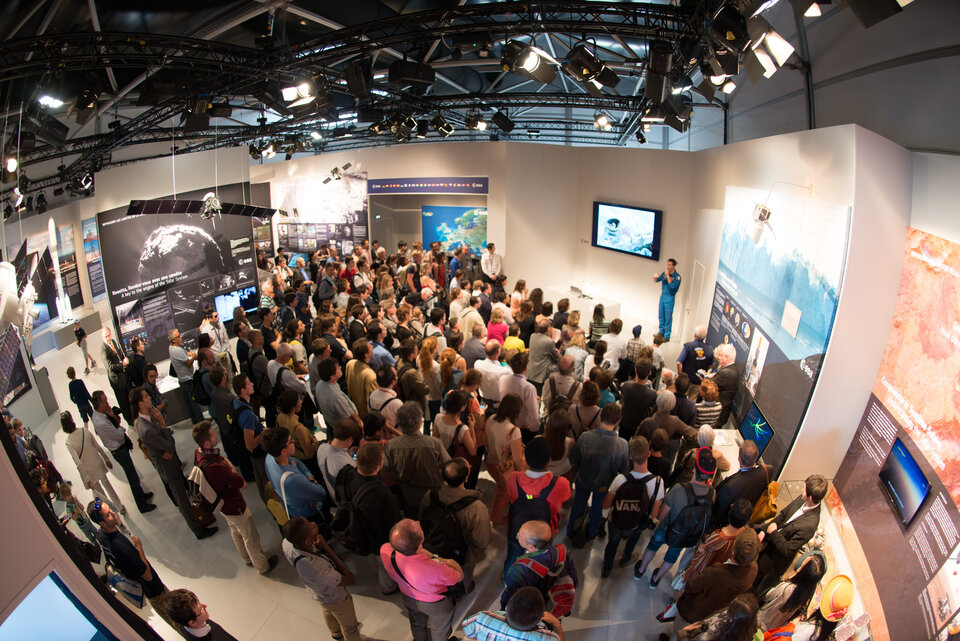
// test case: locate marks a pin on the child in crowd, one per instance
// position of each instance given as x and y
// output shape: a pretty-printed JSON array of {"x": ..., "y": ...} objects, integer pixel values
[
  {"x": 80, "y": 396},
  {"x": 74, "y": 511}
]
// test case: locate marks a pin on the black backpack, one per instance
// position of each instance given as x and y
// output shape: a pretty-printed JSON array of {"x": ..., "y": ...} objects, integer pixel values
[
  {"x": 199, "y": 394},
  {"x": 271, "y": 400},
  {"x": 691, "y": 524},
  {"x": 632, "y": 504},
  {"x": 561, "y": 401},
  {"x": 348, "y": 525},
  {"x": 531, "y": 508},
  {"x": 401, "y": 391},
  {"x": 441, "y": 530}
]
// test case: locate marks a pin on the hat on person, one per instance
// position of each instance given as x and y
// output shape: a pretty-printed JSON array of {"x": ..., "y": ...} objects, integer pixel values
[
  {"x": 637, "y": 330},
  {"x": 76, "y": 321},
  {"x": 666, "y": 401},
  {"x": 706, "y": 464},
  {"x": 537, "y": 453},
  {"x": 837, "y": 598}
]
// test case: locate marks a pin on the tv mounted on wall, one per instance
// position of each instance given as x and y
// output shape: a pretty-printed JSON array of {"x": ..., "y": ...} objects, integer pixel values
[
  {"x": 754, "y": 427},
  {"x": 903, "y": 482},
  {"x": 628, "y": 230}
]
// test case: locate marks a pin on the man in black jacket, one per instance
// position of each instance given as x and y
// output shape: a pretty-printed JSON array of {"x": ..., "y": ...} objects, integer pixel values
[
  {"x": 116, "y": 362},
  {"x": 783, "y": 537},
  {"x": 748, "y": 482},
  {"x": 727, "y": 378}
]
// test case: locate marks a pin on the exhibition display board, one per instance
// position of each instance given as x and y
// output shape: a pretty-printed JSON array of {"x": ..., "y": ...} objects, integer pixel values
[
  {"x": 163, "y": 262},
  {"x": 44, "y": 278},
  {"x": 778, "y": 283},
  {"x": 897, "y": 490},
  {"x": 91, "y": 253}
]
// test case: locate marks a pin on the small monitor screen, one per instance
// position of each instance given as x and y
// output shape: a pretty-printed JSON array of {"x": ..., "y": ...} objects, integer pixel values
[
  {"x": 903, "y": 482},
  {"x": 246, "y": 298},
  {"x": 51, "y": 611},
  {"x": 630, "y": 230},
  {"x": 754, "y": 427}
]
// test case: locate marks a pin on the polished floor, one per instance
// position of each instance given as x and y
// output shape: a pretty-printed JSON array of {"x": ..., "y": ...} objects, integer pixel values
[{"x": 256, "y": 608}]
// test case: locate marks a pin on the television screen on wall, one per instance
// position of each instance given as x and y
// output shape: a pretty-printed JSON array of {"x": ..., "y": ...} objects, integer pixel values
[
  {"x": 51, "y": 611},
  {"x": 625, "y": 229},
  {"x": 754, "y": 427},
  {"x": 903, "y": 482}
]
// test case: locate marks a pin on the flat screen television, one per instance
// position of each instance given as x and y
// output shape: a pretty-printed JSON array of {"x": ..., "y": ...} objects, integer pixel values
[
  {"x": 51, "y": 611},
  {"x": 903, "y": 482},
  {"x": 246, "y": 298},
  {"x": 754, "y": 427},
  {"x": 628, "y": 230}
]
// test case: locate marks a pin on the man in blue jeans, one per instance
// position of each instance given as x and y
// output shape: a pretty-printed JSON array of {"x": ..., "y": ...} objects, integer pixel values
[
  {"x": 679, "y": 497},
  {"x": 669, "y": 281},
  {"x": 598, "y": 455}
]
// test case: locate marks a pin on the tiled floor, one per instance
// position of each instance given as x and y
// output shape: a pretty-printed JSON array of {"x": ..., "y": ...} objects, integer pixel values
[{"x": 255, "y": 608}]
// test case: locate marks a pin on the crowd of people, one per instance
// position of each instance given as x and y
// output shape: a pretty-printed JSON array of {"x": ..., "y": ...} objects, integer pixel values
[{"x": 424, "y": 370}]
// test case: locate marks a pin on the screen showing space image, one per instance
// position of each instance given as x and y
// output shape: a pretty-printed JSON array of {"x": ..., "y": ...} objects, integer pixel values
[
  {"x": 630, "y": 230},
  {"x": 754, "y": 427},
  {"x": 904, "y": 482},
  {"x": 51, "y": 611}
]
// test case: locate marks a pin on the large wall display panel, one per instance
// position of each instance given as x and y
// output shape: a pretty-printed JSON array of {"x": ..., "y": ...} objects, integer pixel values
[
  {"x": 898, "y": 487},
  {"x": 164, "y": 262},
  {"x": 778, "y": 284},
  {"x": 44, "y": 279},
  {"x": 14, "y": 378},
  {"x": 301, "y": 239},
  {"x": 455, "y": 227},
  {"x": 338, "y": 200},
  {"x": 91, "y": 253}
]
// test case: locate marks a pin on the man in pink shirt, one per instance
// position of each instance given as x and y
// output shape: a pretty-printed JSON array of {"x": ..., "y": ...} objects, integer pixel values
[{"x": 423, "y": 579}]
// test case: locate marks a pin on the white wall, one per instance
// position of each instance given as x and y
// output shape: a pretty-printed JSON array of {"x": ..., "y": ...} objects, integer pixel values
[{"x": 935, "y": 207}]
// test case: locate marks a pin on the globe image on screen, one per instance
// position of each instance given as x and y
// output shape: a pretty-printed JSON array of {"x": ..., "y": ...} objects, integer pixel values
[{"x": 179, "y": 248}]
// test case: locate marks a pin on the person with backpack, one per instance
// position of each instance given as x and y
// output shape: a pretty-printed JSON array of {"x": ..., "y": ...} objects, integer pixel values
[
  {"x": 335, "y": 454},
  {"x": 455, "y": 521},
  {"x": 638, "y": 399},
  {"x": 599, "y": 455},
  {"x": 585, "y": 413},
  {"x": 324, "y": 574},
  {"x": 227, "y": 483},
  {"x": 243, "y": 416},
  {"x": 633, "y": 501},
  {"x": 457, "y": 436},
  {"x": 332, "y": 402},
  {"x": 684, "y": 518},
  {"x": 384, "y": 400},
  {"x": 414, "y": 459},
  {"x": 560, "y": 390},
  {"x": 535, "y": 495},
  {"x": 299, "y": 492},
  {"x": 545, "y": 566},
  {"x": 423, "y": 579}
]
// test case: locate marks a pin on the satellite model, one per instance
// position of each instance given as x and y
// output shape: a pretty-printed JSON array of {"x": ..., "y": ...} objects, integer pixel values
[
  {"x": 761, "y": 220},
  {"x": 16, "y": 308}
]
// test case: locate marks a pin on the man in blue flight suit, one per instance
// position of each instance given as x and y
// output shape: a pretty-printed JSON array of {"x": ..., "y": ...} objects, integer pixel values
[{"x": 669, "y": 283}]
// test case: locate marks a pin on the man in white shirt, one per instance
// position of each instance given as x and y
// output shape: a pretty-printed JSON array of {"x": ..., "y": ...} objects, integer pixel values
[
  {"x": 616, "y": 346},
  {"x": 529, "y": 420},
  {"x": 499, "y": 298},
  {"x": 492, "y": 371},
  {"x": 491, "y": 264}
]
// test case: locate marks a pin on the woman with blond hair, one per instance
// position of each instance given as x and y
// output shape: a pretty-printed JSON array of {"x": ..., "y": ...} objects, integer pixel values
[
  {"x": 430, "y": 371},
  {"x": 496, "y": 328}
]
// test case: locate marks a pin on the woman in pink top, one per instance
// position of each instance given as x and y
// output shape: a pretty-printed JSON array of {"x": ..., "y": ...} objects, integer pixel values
[{"x": 496, "y": 328}]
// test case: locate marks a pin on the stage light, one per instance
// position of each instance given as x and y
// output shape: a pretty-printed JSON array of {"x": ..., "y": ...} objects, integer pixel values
[
  {"x": 7, "y": 212},
  {"x": 50, "y": 102},
  {"x": 526, "y": 60},
  {"x": 501, "y": 120},
  {"x": 254, "y": 151},
  {"x": 422, "y": 127},
  {"x": 316, "y": 135},
  {"x": 602, "y": 122},
  {"x": 583, "y": 64},
  {"x": 476, "y": 122},
  {"x": 728, "y": 29},
  {"x": 533, "y": 133},
  {"x": 653, "y": 114},
  {"x": 16, "y": 198},
  {"x": 403, "y": 125},
  {"x": 728, "y": 87},
  {"x": 269, "y": 151},
  {"x": 342, "y": 132},
  {"x": 641, "y": 138},
  {"x": 441, "y": 126},
  {"x": 723, "y": 63},
  {"x": 809, "y": 8},
  {"x": 58, "y": 191},
  {"x": 41, "y": 203},
  {"x": 11, "y": 164}
]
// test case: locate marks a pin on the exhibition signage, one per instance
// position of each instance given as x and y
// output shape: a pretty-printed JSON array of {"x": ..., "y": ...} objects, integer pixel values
[
  {"x": 91, "y": 253},
  {"x": 163, "y": 267},
  {"x": 474, "y": 185},
  {"x": 303, "y": 239},
  {"x": 778, "y": 283},
  {"x": 44, "y": 280},
  {"x": 898, "y": 487}
]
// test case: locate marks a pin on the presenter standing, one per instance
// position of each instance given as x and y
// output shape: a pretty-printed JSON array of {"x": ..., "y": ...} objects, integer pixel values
[
  {"x": 491, "y": 264},
  {"x": 669, "y": 281}
]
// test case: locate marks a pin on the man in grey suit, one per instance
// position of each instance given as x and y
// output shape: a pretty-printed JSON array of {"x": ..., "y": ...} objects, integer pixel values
[
  {"x": 158, "y": 439},
  {"x": 543, "y": 356}
]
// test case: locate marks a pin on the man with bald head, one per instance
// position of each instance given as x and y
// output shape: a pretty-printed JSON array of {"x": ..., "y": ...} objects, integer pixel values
[
  {"x": 492, "y": 370},
  {"x": 694, "y": 359},
  {"x": 535, "y": 537},
  {"x": 561, "y": 383},
  {"x": 663, "y": 419},
  {"x": 423, "y": 579},
  {"x": 748, "y": 482},
  {"x": 727, "y": 378}
]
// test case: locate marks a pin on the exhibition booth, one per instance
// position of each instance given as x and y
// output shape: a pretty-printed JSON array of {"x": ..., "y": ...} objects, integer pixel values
[{"x": 827, "y": 258}]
